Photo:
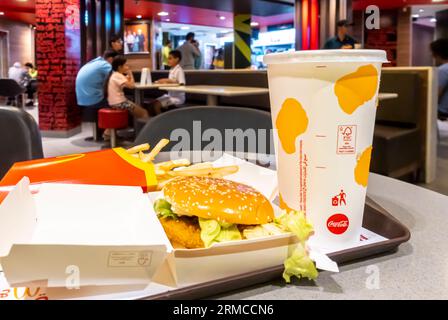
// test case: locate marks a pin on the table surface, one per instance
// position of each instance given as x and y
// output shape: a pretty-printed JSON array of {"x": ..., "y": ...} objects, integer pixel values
[
  {"x": 219, "y": 90},
  {"x": 387, "y": 96},
  {"x": 417, "y": 270},
  {"x": 139, "y": 86}
]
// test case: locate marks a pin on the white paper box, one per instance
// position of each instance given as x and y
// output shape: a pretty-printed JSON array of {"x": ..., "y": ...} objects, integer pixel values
[{"x": 105, "y": 234}]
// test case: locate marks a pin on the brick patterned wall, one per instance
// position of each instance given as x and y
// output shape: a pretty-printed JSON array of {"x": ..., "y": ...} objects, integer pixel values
[{"x": 58, "y": 57}]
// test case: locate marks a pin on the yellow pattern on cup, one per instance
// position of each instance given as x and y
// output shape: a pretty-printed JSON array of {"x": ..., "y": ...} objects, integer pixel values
[
  {"x": 355, "y": 89},
  {"x": 362, "y": 167},
  {"x": 291, "y": 122}
]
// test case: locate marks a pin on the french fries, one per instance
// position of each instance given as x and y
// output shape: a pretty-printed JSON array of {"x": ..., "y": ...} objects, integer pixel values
[
  {"x": 159, "y": 146},
  {"x": 203, "y": 171},
  {"x": 169, "y": 165},
  {"x": 139, "y": 148},
  {"x": 169, "y": 170}
]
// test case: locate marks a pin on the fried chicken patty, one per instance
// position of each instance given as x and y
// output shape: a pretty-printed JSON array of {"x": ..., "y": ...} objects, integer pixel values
[{"x": 183, "y": 232}]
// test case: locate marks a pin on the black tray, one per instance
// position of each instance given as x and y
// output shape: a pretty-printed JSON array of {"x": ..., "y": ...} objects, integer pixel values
[{"x": 376, "y": 219}]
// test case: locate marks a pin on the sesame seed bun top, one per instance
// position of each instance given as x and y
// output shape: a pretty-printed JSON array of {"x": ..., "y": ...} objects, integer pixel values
[{"x": 218, "y": 199}]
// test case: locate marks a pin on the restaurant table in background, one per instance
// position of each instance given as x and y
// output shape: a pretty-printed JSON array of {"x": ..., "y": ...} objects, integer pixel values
[
  {"x": 139, "y": 90},
  {"x": 387, "y": 96},
  {"x": 417, "y": 270},
  {"x": 213, "y": 92}
]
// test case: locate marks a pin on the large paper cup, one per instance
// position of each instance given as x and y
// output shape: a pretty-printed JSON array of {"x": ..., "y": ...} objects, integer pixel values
[{"x": 323, "y": 106}]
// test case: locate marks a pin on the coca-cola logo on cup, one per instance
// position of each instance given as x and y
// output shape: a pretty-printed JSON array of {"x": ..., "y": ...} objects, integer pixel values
[{"x": 337, "y": 223}]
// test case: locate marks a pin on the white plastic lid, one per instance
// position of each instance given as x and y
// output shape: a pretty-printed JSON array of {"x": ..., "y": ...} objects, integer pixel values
[{"x": 344, "y": 55}]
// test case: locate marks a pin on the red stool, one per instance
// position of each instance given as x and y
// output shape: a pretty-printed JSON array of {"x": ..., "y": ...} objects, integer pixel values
[{"x": 112, "y": 119}]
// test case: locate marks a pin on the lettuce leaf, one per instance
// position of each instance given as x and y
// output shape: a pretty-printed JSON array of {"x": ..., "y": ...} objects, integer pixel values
[
  {"x": 229, "y": 234},
  {"x": 210, "y": 229},
  {"x": 299, "y": 265},
  {"x": 213, "y": 231},
  {"x": 295, "y": 222},
  {"x": 163, "y": 209}
]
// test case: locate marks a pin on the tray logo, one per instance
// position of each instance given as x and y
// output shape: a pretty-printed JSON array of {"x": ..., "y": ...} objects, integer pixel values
[{"x": 338, "y": 223}]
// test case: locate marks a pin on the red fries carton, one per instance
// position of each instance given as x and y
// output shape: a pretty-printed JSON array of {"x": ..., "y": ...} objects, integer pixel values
[{"x": 105, "y": 167}]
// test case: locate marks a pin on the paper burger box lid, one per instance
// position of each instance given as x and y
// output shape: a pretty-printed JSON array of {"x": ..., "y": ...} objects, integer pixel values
[
  {"x": 79, "y": 235},
  {"x": 105, "y": 167}
]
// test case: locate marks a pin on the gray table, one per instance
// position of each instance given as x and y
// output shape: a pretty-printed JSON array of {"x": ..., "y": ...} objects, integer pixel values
[
  {"x": 213, "y": 92},
  {"x": 139, "y": 90}
]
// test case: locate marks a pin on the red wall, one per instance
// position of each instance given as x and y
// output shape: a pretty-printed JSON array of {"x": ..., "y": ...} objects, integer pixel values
[{"x": 58, "y": 60}]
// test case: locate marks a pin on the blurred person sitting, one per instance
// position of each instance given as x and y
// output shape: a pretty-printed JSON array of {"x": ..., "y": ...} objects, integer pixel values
[
  {"x": 20, "y": 75},
  {"x": 91, "y": 79},
  {"x": 439, "y": 49},
  {"x": 31, "y": 88},
  {"x": 32, "y": 71},
  {"x": 189, "y": 52},
  {"x": 176, "y": 76},
  {"x": 342, "y": 40},
  {"x": 121, "y": 77}
]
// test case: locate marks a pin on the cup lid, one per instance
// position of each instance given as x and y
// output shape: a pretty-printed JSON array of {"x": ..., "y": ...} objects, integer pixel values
[{"x": 343, "y": 55}]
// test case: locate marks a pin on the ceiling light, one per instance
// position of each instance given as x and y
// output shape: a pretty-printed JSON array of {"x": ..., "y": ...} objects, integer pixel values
[
  {"x": 167, "y": 20},
  {"x": 254, "y": 24},
  {"x": 139, "y": 16},
  {"x": 162, "y": 13},
  {"x": 433, "y": 20},
  {"x": 2, "y": 13},
  {"x": 415, "y": 15},
  {"x": 421, "y": 10},
  {"x": 185, "y": 28},
  {"x": 222, "y": 18}
]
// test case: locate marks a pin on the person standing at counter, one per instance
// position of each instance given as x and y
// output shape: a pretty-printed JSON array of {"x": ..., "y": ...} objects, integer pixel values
[
  {"x": 439, "y": 49},
  {"x": 189, "y": 52},
  {"x": 342, "y": 40},
  {"x": 165, "y": 53}
]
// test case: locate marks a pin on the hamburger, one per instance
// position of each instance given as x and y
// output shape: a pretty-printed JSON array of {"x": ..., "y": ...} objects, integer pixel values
[{"x": 196, "y": 212}]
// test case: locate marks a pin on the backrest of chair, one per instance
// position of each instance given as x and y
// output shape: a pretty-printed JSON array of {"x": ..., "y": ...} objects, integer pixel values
[
  {"x": 405, "y": 109},
  {"x": 10, "y": 88},
  {"x": 211, "y": 127},
  {"x": 20, "y": 138}
]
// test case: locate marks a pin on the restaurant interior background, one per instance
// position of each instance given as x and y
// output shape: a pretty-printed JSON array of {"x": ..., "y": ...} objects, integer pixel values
[{"x": 406, "y": 30}]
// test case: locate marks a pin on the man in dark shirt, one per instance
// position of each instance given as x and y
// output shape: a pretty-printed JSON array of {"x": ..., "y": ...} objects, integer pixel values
[{"x": 342, "y": 40}]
